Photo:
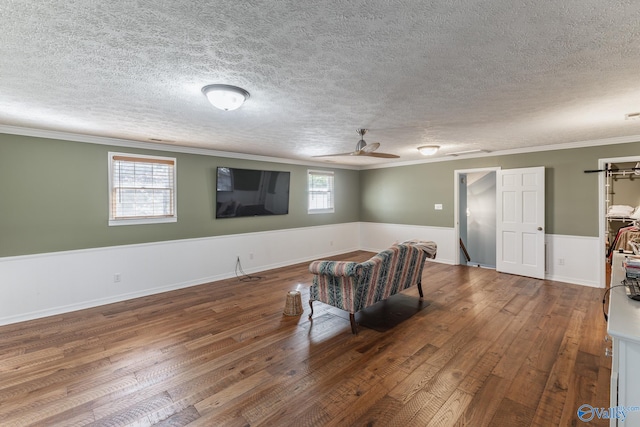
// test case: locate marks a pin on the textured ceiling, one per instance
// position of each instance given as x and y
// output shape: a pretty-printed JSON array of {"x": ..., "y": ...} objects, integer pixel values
[{"x": 463, "y": 74}]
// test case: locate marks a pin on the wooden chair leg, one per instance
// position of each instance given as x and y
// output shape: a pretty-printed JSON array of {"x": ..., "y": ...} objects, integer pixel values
[
  {"x": 354, "y": 325},
  {"x": 420, "y": 289},
  {"x": 311, "y": 305}
]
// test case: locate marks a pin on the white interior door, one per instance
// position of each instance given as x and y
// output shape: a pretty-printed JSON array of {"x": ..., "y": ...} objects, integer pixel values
[{"x": 520, "y": 222}]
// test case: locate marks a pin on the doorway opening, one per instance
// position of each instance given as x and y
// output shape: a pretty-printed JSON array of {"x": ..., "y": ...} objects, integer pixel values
[
  {"x": 475, "y": 217},
  {"x": 618, "y": 188}
]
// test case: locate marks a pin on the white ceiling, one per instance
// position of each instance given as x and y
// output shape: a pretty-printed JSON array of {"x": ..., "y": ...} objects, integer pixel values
[{"x": 463, "y": 74}]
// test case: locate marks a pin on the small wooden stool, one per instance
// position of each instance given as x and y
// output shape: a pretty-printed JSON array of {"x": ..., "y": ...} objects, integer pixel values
[{"x": 293, "y": 306}]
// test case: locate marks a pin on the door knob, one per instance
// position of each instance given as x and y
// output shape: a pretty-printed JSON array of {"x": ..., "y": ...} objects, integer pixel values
[{"x": 539, "y": 228}]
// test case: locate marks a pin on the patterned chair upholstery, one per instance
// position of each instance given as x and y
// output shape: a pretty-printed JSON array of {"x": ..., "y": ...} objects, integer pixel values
[{"x": 353, "y": 286}]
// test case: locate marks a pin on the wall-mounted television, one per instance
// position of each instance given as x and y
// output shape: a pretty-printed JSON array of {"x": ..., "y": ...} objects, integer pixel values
[{"x": 250, "y": 192}]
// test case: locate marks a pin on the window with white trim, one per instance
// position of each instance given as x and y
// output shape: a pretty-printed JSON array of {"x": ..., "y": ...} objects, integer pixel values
[
  {"x": 142, "y": 189},
  {"x": 321, "y": 191}
]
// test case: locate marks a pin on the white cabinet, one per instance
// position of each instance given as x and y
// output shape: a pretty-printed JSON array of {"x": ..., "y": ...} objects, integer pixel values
[{"x": 624, "y": 329}]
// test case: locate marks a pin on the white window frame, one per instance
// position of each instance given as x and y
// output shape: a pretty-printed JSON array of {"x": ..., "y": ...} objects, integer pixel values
[
  {"x": 158, "y": 219},
  {"x": 331, "y": 191}
]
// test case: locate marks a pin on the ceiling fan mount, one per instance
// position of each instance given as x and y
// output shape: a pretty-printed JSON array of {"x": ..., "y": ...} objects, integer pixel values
[{"x": 364, "y": 149}]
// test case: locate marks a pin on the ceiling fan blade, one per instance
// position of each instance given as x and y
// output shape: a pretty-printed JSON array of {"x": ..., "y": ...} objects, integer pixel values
[
  {"x": 369, "y": 148},
  {"x": 381, "y": 155},
  {"x": 335, "y": 155},
  {"x": 364, "y": 149}
]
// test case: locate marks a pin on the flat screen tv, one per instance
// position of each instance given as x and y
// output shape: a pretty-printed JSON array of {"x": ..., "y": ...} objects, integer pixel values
[{"x": 249, "y": 192}]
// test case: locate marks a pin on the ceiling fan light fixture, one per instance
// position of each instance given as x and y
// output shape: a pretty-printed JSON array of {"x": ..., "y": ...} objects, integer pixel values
[
  {"x": 428, "y": 150},
  {"x": 225, "y": 97}
]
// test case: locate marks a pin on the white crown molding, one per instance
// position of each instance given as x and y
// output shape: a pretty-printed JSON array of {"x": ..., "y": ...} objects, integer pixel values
[
  {"x": 91, "y": 139},
  {"x": 100, "y": 140},
  {"x": 564, "y": 146}
]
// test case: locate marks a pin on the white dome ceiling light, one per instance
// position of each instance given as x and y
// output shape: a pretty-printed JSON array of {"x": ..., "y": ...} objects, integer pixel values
[
  {"x": 428, "y": 150},
  {"x": 225, "y": 97}
]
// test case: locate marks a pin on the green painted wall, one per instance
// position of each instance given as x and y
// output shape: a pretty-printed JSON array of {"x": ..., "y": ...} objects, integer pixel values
[
  {"x": 406, "y": 195},
  {"x": 54, "y": 197}
]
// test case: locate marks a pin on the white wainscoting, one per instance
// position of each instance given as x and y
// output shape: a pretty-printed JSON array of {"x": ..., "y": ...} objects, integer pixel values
[
  {"x": 575, "y": 259},
  {"x": 376, "y": 237},
  {"x": 570, "y": 259},
  {"x": 35, "y": 286}
]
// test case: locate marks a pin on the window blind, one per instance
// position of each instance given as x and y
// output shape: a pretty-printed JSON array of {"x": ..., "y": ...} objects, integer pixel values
[
  {"x": 142, "y": 187},
  {"x": 320, "y": 191}
]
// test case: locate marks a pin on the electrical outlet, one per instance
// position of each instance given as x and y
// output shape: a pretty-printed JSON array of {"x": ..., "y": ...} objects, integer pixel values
[
  {"x": 438, "y": 206},
  {"x": 560, "y": 261},
  {"x": 117, "y": 277},
  {"x": 251, "y": 255}
]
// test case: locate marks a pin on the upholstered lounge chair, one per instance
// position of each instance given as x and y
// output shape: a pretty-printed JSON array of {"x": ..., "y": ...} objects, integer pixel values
[{"x": 353, "y": 286}]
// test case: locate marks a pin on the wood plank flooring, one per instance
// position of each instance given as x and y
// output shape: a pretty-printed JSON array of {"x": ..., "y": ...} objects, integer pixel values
[{"x": 489, "y": 349}]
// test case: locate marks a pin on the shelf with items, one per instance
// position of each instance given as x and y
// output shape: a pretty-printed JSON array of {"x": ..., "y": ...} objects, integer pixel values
[{"x": 622, "y": 197}]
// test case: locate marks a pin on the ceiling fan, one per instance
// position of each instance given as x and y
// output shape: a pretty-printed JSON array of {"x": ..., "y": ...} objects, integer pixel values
[{"x": 364, "y": 149}]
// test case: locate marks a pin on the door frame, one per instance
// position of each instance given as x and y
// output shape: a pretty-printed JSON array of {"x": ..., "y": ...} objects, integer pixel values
[
  {"x": 602, "y": 218},
  {"x": 456, "y": 205}
]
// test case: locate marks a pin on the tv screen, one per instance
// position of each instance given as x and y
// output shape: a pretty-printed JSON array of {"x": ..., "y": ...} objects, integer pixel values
[{"x": 249, "y": 192}]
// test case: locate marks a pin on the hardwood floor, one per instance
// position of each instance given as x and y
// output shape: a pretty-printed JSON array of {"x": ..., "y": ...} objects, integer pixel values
[{"x": 489, "y": 349}]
